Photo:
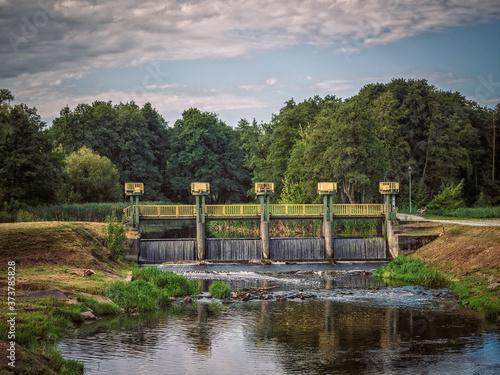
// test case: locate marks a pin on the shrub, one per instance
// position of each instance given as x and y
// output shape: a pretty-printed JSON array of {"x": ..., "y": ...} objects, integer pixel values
[
  {"x": 174, "y": 284},
  {"x": 411, "y": 271},
  {"x": 448, "y": 198},
  {"x": 114, "y": 235},
  {"x": 24, "y": 216},
  {"x": 104, "y": 308},
  {"x": 139, "y": 294},
  {"x": 219, "y": 289}
]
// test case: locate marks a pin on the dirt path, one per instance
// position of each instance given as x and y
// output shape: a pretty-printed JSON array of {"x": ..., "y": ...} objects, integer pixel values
[{"x": 474, "y": 222}]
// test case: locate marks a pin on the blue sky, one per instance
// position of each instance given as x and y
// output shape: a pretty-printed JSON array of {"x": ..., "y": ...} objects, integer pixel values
[{"x": 241, "y": 59}]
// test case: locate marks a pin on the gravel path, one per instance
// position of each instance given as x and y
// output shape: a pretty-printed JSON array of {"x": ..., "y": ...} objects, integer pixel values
[{"x": 474, "y": 222}]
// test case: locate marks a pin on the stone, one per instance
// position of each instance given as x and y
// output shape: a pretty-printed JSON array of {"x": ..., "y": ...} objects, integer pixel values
[{"x": 89, "y": 315}]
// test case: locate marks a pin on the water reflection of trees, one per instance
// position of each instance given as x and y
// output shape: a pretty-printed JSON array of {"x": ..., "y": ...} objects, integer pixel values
[
  {"x": 325, "y": 336},
  {"x": 312, "y": 337}
]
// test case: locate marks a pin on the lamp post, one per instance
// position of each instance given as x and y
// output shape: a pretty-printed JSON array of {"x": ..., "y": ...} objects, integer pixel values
[{"x": 409, "y": 174}]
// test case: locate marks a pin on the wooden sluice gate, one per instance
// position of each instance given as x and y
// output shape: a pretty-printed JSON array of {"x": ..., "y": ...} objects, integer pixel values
[
  {"x": 233, "y": 249},
  {"x": 250, "y": 249},
  {"x": 297, "y": 248},
  {"x": 167, "y": 250}
]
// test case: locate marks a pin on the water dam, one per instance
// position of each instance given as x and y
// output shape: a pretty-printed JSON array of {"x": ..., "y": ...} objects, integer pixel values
[{"x": 247, "y": 249}]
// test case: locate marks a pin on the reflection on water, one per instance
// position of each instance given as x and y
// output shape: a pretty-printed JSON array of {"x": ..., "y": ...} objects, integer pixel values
[{"x": 403, "y": 330}]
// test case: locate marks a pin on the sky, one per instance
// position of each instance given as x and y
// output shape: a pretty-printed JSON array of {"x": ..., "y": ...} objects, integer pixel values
[{"x": 241, "y": 59}]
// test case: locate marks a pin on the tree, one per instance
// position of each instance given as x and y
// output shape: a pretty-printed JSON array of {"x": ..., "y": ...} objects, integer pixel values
[
  {"x": 344, "y": 148},
  {"x": 93, "y": 177},
  {"x": 29, "y": 171},
  {"x": 205, "y": 149},
  {"x": 134, "y": 139},
  {"x": 287, "y": 127},
  {"x": 448, "y": 198},
  {"x": 388, "y": 114},
  {"x": 254, "y": 140}
]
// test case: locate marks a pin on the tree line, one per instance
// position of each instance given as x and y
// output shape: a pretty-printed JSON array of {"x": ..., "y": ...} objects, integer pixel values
[{"x": 89, "y": 152}]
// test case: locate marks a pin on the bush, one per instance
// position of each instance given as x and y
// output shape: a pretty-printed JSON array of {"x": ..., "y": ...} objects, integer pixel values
[
  {"x": 219, "y": 289},
  {"x": 138, "y": 294},
  {"x": 448, "y": 198},
  {"x": 151, "y": 289},
  {"x": 24, "y": 216},
  {"x": 114, "y": 235},
  {"x": 104, "y": 308},
  {"x": 9, "y": 210},
  {"x": 174, "y": 284},
  {"x": 411, "y": 271}
]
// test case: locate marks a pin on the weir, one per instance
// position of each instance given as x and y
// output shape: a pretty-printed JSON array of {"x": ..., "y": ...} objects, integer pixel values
[
  {"x": 247, "y": 249},
  {"x": 326, "y": 247},
  {"x": 171, "y": 250}
]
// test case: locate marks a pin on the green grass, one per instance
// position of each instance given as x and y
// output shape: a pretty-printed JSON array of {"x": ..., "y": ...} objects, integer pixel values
[
  {"x": 474, "y": 213},
  {"x": 152, "y": 288},
  {"x": 99, "y": 308},
  {"x": 459, "y": 213},
  {"x": 219, "y": 289},
  {"x": 474, "y": 293},
  {"x": 411, "y": 271}
]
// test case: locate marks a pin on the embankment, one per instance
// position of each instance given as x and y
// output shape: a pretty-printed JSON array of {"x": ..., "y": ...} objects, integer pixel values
[
  {"x": 68, "y": 259},
  {"x": 469, "y": 256}
]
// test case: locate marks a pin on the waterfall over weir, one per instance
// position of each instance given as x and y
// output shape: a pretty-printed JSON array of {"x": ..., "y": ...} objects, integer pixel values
[
  {"x": 360, "y": 248},
  {"x": 171, "y": 250},
  {"x": 244, "y": 249}
]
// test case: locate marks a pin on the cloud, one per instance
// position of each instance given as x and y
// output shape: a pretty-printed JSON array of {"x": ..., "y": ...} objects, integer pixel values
[
  {"x": 90, "y": 34},
  {"x": 258, "y": 86},
  {"x": 353, "y": 85}
]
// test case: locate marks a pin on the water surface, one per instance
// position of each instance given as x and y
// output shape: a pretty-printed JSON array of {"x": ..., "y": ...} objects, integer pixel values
[{"x": 351, "y": 324}]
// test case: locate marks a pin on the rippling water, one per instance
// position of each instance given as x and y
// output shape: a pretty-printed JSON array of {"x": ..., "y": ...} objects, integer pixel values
[{"x": 353, "y": 324}]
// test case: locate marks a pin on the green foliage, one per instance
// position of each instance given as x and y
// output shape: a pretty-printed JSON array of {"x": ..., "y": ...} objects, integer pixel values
[
  {"x": 205, "y": 149},
  {"x": 30, "y": 172},
  {"x": 137, "y": 295},
  {"x": 448, "y": 198},
  {"x": 9, "y": 210},
  {"x": 475, "y": 293},
  {"x": 482, "y": 201},
  {"x": 411, "y": 271},
  {"x": 476, "y": 213},
  {"x": 92, "y": 178},
  {"x": 219, "y": 289},
  {"x": 150, "y": 289},
  {"x": 24, "y": 216},
  {"x": 99, "y": 308},
  {"x": 78, "y": 212},
  {"x": 115, "y": 236},
  {"x": 134, "y": 139},
  {"x": 343, "y": 147},
  {"x": 174, "y": 284}
]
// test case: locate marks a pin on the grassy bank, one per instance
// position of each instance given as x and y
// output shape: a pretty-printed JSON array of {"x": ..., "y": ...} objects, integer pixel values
[
  {"x": 466, "y": 257},
  {"x": 47, "y": 256},
  {"x": 60, "y": 275}
]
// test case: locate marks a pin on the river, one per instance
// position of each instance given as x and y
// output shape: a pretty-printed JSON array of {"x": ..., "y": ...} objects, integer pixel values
[{"x": 317, "y": 319}]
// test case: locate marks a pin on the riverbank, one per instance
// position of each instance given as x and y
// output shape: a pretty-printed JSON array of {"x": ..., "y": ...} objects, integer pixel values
[
  {"x": 469, "y": 258},
  {"x": 72, "y": 264}
]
